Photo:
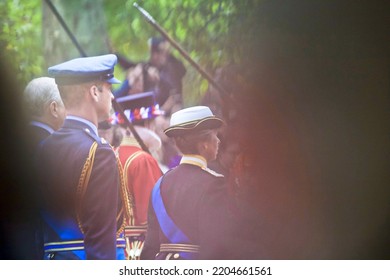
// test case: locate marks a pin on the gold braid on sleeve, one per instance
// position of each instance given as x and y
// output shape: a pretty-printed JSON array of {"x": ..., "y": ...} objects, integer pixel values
[{"x": 84, "y": 180}]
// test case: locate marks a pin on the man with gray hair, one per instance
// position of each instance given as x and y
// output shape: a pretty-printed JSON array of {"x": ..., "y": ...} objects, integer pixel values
[
  {"x": 45, "y": 110},
  {"x": 44, "y": 107}
]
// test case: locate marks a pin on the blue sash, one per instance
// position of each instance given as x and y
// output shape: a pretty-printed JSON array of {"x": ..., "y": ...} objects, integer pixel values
[
  {"x": 66, "y": 230},
  {"x": 168, "y": 227}
]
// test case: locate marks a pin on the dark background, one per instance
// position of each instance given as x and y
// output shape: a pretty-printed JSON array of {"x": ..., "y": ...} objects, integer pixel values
[{"x": 317, "y": 124}]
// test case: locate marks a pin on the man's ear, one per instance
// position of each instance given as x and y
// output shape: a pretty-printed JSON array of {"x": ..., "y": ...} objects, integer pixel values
[
  {"x": 202, "y": 147},
  {"x": 94, "y": 92},
  {"x": 53, "y": 108}
]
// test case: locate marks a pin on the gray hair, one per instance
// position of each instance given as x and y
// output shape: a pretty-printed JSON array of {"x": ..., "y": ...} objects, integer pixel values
[{"x": 38, "y": 93}]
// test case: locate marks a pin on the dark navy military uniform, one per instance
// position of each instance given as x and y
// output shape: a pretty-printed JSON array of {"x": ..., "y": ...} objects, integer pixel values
[
  {"x": 80, "y": 182},
  {"x": 38, "y": 132},
  {"x": 195, "y": 198},
  {"x": 95, "y": 222},
  {"x": 29, "y": 233}
]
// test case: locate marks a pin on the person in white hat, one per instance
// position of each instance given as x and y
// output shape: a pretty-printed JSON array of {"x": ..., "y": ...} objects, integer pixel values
[{"x": 188, "y": 215}]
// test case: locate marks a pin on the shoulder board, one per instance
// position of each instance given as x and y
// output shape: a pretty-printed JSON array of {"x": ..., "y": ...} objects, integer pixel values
[
  {"x": 212, "y": 172},
  {"x": 94, "y": 137}
]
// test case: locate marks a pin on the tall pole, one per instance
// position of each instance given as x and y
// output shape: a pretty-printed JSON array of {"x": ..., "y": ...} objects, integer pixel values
[{"x": 67, "y": 30}]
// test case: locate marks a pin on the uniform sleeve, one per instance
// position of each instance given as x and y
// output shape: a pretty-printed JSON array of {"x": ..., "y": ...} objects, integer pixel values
[
  {"x": 152, "y": 241},
  {"x": 143, "y": 174},
  {"x": 99, "y": 206}
]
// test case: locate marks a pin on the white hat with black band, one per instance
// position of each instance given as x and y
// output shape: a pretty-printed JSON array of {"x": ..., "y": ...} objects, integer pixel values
[{"x": 192, "y": 119}]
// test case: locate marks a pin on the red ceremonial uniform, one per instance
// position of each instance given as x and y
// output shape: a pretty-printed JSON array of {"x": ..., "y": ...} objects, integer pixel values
[{"x": 141, "y": 172}]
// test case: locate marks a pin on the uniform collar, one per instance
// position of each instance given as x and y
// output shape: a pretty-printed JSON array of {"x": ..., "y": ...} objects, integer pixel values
[
  {"x": 194, "y": 160},
  {"x": 43, "y": 126},
  {"x": 87, "y": 122}
]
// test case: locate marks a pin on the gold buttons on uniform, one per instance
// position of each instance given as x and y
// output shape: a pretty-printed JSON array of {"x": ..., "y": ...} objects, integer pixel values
[{"x": 176, "y": 256}]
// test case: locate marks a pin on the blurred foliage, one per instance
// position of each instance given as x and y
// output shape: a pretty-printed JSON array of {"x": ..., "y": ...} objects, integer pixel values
[
  {"x": 214, "y": 33},
  {"x": 84, "y": 18},
  {"x": 199, "y": 26},
  {"x": 21, "y": 37}
]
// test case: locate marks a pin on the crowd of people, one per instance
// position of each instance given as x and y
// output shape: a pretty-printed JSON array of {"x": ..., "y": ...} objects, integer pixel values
[{"x": 100, "y": 194}]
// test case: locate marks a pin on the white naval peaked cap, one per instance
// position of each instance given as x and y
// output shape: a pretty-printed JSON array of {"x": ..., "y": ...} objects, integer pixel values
[{"x": 192, "y": 119}]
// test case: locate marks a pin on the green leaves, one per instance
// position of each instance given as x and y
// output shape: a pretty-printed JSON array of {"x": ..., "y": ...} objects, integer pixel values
[
  {"x": 199, "y": 26},
  {"x": 214, "y": 33},
  {"x": 20, "y": 37}
]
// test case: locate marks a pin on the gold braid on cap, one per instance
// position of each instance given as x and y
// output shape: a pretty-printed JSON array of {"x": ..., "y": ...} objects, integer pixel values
[
  {"x": 127, "y": 200},
  {"x": 84, "y": 180}
]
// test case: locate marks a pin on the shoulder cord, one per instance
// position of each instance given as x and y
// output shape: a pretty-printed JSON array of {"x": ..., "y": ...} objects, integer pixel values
[
  {"x": 84, "y": 180},
  {"x": 83, "y": 184},
  {"x": 126, "y": 167}
]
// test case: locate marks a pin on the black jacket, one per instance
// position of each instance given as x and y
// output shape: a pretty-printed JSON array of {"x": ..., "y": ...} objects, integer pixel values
[{"x": 197, "y": 202}]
